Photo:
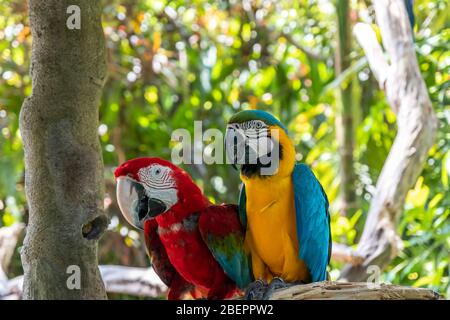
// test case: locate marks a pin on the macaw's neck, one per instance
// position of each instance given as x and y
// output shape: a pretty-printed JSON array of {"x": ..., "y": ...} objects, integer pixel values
[{"x": 184, "y": 208}]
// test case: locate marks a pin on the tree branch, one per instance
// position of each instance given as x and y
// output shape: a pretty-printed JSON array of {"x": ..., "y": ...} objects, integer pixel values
[
  {"x": 353, "y": 291},
  {"x": 141, "y": 282},
  {"x": 9, "y": 236},
  {"x": 368, "y": 40},
  {"x": 342, "y": 253},
  {"x": 311, "y": 53},
  {"x": 408, "y": 96}
]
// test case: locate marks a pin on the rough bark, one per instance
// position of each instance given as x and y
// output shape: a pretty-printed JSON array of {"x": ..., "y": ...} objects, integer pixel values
[
  {"x": 353, "y": 291},
  {"x": 345, "y": 121},
  {"x": 63, "y": 160},
  {"x": 408, "y": 97}
]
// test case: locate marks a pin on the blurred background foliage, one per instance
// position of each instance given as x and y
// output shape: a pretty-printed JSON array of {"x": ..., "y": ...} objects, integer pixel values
[{"x": 173, "y": 62}]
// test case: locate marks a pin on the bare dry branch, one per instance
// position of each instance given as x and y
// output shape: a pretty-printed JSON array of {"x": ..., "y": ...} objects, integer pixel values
[
  {"x": 375, "y": 57},
  {"x": 139, "y": 282},
  {"x": 408, "y": 96},
  {"x": 9, "y": 236},
  {"x": 342, "y": 253},
  {"x": 313, "y": 54}
]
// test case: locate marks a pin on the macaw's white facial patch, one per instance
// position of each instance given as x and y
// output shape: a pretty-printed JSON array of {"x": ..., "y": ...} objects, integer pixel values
[
  {"x": 248, "y": 141},
  {"x": 159, "y": 184},
  {"x": 157, "y": 176},
  {"x": 259, "y": 147},
  {"x": 253, "y": 124}
]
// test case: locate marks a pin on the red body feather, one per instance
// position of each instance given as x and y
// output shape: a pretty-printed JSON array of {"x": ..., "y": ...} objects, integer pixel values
[{"x": 179, "y": 255}]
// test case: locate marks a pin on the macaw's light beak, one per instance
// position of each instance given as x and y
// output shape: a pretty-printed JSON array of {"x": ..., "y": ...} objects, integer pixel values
[
  {"x": 134, "y": 203},
  {"x": 244, "y": 150}
]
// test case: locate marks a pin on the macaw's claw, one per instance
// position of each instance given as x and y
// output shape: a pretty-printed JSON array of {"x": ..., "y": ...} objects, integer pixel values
[
  {"x": 256, "y": 290},
  {"x": 275, "y": 284}
]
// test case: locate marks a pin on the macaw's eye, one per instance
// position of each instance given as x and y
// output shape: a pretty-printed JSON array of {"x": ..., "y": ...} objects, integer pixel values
[
  {"x": 155, "y": 171},
  {"x": 259, "y": 125}
]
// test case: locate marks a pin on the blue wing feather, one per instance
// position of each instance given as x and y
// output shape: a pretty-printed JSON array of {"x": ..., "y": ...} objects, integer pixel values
[
  {"x": 236, "y": 266},
  {"x": 313, "y": 222}
]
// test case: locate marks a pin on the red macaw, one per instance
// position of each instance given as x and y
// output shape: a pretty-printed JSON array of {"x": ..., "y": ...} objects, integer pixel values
[{"x": 195, "y": 247}]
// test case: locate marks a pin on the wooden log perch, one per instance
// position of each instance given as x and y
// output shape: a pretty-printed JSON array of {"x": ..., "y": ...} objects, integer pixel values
[{"x": 353, "y": 291}]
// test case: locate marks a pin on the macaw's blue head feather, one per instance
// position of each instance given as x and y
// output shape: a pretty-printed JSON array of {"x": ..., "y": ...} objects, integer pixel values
[{"x": 248, "y": 115}]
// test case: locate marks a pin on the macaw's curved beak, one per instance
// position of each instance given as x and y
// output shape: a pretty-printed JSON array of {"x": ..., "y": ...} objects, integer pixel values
[
  {"x": 134, "y": 203},
  {"x": 247, "y": 150},
  {"x": 155, "y": 207}
]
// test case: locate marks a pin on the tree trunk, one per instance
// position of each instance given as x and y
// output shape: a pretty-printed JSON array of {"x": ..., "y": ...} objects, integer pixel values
[
  {"x": 345, "y": 121},
  {"x": 63, "y": 159},
  {"x": 408, "y": 97}
]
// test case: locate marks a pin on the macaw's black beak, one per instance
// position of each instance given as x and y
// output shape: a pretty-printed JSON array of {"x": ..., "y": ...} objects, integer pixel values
[
  {"x": 235, "y": 157},
  {"x": 148, "y": 208},
  {"x": 155, "y": 207},
  {"x": 231, "y": 148}
]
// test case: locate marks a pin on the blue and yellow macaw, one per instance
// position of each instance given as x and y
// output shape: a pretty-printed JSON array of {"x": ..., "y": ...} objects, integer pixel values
[{"x": 282, "y": 205}]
